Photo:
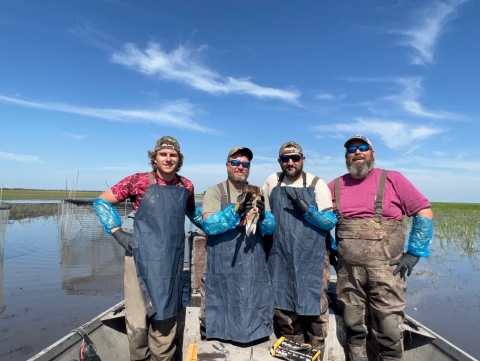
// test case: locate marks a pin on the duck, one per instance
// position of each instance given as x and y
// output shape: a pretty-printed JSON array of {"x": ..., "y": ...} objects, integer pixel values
[{"x": 251, "y": 218}]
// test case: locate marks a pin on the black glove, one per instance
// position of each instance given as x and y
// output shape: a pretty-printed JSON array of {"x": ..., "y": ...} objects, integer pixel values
[
  {"x": 300, "y": 203},
  {"x": 124, "y": 239},
  {"x": 407, "y": 262},
  {"x": 261, "y": 208}
]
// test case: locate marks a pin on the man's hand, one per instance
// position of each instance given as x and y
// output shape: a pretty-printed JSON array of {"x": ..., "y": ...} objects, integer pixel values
[
  {"x": 300, "y": 203},
  {"x": 261, "y": 208},
  {"x": 407, "y": 262},
  {"x": 124, "y": 239}
]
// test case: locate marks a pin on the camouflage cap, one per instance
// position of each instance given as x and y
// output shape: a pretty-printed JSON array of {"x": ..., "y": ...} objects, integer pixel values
[
  {"x": 290, "y": 147},
  {"x": 358, "y": 137},
  {"x": 244, "y": 150},
  {"x": 167, "y": 142}
]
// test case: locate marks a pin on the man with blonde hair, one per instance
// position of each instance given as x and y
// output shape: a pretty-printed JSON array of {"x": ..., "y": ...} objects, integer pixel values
[{"x": 153, "y": 276}]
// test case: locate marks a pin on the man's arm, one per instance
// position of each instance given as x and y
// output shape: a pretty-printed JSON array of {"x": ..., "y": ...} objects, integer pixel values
[
  {"x": 110, "y": 198},
  {"x": 419, "y": 240},
  {"x": 426, "y": 212}
]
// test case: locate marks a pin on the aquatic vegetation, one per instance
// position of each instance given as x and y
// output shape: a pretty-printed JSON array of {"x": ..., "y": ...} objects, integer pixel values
[
  {"x": 458, "y": 225},
  {"x": 23, "y": 211}
]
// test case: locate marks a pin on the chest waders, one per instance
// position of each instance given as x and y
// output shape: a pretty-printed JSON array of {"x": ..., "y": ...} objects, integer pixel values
[
  {"x": 238, "y": 293},
  {"x": 366, "y": 287},
  {"x": 297, "y": 257},
  {"x": 158, "y": 247}
]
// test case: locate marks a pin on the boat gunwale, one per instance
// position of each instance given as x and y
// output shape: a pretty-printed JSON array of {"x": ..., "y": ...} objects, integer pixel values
[{"x": 73, "y": 337}]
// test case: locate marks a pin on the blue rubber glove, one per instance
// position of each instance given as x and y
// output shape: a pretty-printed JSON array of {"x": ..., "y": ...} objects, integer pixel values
[
  {"x": 196, "y": 217},
  {"x": 222, "y": 221},
  {"x": 107, "y": 214},
  {"x": 420, "y": 237}
]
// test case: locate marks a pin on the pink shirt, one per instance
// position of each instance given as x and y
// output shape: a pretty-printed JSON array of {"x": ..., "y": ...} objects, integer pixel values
[
  {"x": 357, "y": 196},
  {"x": 135, "y": 186}
]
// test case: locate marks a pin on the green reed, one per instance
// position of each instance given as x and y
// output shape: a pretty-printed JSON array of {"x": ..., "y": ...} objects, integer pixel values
[{"x": 458, "y": 224}]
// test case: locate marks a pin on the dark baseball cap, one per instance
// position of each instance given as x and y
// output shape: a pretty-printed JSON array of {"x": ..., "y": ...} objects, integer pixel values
[
  {"x": 167, "y": 142},
  {"x": 244, "y": 150},
  {"x": 290, "y": 147},
  {"x": 358, "y": 137}
]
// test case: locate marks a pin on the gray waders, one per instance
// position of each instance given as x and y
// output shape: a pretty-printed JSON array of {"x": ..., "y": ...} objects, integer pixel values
[{"x": 373, "y": 299}]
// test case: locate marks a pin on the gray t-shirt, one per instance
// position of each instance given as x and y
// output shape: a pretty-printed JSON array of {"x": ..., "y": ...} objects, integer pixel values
[{"x": 212, "y": 200}]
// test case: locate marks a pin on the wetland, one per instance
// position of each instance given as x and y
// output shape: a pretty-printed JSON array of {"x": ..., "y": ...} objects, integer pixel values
[{"x": 58, "y": 270}]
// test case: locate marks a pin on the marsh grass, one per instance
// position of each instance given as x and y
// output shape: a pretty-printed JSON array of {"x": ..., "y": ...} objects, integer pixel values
[
  {"x": 458, "y": 224},
  {"x": 21, "y": 194},
  {"x": 23, "y": 211}
]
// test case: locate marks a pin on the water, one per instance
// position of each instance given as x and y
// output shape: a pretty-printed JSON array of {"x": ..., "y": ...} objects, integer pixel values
[{"x": 58, "y": 272}]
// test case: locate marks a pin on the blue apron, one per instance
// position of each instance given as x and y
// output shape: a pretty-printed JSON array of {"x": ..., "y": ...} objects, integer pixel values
[
  {"x": 297, "y": 257},
  {"x": 238, "y": 293},
  {"x": 158, "y": 246}
]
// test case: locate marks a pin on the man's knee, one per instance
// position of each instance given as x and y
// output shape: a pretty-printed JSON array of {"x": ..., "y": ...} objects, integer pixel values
[
  {"x": 161, "y": 337},
  {"x": 389, "y": 336}
]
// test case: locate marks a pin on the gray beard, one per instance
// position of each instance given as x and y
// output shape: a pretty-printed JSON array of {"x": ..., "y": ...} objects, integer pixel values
[
  {"x": 361, "y": 170},
  {"x": 232, "y": 177}
]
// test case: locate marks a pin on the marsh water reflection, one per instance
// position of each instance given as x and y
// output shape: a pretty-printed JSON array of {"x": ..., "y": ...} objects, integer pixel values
[{"x": 58, "y": 269}]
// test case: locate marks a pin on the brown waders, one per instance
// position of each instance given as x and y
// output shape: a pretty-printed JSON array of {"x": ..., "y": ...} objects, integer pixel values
[
  {"x": 372, "y": 297},
  {"x": 147, "y": 340}
]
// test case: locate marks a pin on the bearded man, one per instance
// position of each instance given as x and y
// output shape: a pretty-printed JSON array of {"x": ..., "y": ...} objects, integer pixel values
[
  {"x": 370, "y": 205},
  {"x": 238, "y": 291},
  {"x": 299, "y": 259}
]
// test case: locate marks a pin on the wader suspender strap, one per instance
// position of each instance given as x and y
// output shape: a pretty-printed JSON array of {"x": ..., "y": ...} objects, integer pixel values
[
  {"x": 150, "y": 179},
  {"x": 379, "y": 199},
  {"x": 336, "y": 208},
  {"x": 304, "y": 176},
  {"x": 225, "y": 195}
]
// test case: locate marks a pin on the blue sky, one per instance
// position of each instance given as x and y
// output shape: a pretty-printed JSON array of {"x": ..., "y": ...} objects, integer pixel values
[{"x": 87, "y": 87}]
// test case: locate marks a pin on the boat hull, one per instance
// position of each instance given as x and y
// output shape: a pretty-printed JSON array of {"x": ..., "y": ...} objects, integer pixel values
[{"x": 107, "y": 332}]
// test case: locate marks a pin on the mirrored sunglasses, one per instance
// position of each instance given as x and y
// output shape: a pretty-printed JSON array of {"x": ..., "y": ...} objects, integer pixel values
[
  {"x": 362, "y": 148},
  {"x": 294, "y": 157},
  {"x": 236, "y": 163}
]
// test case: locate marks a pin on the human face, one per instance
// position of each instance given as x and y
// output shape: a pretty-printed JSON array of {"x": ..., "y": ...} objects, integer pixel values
[
  {"x": 292, "y": 169},
  {"x": 238, "y": 174},
  {"x": 359, "y": 164},
  {"x": 166, "y": 161}
]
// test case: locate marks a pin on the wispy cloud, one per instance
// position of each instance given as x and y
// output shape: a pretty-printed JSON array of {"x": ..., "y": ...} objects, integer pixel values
[
  {"x": 19, "y": 157},
  {"x": 394, "y": 134},
  {"x": 89, "y": 35},
  {"x": 78, "y": 137},
  {"x": 177, "y": 114},
  {"x": 181, "y": 65},
  {"x": 329, "y": 96},
  {"x": 430, "y": 24},
  {"x": 407, "y": 97}
]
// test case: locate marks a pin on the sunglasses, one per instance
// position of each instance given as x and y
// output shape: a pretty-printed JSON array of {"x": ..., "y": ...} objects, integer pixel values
[
  {"x": 236, "y": 163},
  {"x": 294, "y": 157},
  {"x": 361, "y": 148}
]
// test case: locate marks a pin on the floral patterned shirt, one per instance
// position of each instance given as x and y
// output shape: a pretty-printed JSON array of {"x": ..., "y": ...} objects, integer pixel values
[{"x": 135, "y": 186}]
